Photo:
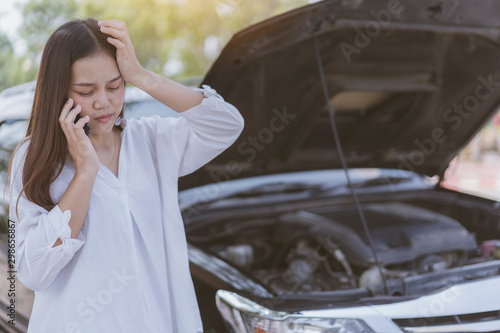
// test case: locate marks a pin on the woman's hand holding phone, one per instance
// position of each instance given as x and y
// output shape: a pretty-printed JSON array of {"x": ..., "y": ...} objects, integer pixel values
[
  {"x": 79, "y": 145},
  {"x": 86, "y": 127}
]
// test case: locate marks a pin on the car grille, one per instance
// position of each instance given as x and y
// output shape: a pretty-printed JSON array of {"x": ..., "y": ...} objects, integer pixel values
[{"x": 485, "y": 322}]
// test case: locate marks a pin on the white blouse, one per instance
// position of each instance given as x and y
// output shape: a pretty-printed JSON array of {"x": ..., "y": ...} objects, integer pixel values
[{"x": 128, "y": 270}]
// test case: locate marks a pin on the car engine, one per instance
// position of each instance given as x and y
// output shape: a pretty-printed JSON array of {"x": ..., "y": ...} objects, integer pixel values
[{"x": 326, "y": 248}]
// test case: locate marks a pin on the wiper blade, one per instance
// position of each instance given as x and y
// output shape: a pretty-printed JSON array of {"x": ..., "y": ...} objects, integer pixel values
[
  {"x": 276, "y": 188},
  {"x": 378, "y": 181}
]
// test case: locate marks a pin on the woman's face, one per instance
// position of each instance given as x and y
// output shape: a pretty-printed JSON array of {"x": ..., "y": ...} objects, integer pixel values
[{"x": 97, "y": 85}]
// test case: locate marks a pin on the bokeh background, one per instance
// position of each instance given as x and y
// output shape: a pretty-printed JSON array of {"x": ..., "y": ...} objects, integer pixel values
[{"x": 178, "y": 38}]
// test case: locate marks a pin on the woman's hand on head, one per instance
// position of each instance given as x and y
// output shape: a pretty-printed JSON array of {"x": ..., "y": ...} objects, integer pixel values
[
  {"x": 129, "y": 66},
  {"x": 79, "y": 145}
]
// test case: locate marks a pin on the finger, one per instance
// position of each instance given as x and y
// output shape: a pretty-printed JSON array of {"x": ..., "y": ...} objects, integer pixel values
[
  {"x": 65, "y": 110},
  {"x": 112, "y": 23},
  {"x": 119, "y": 34},
  {"x": 70, "y": 118},
  {"x": 78, "y": 126},
  {"x": 64, "y": 114},
  {"x": 116, "y": 43},
  {"x": 69, "y": 121},
  {"x": 81, "y": 122}
]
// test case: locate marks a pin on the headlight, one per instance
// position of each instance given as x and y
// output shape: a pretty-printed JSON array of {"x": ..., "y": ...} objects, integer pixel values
[{"x": 245, "y": 316}]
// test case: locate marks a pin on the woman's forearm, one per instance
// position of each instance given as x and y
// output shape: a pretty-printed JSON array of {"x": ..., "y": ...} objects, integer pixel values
[
  {"x": 76, "y": 199},
  {"x": 173, "y": 94}
]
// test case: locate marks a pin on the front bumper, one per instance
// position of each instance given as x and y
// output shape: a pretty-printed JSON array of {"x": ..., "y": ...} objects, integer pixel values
[{"x": 467, "y": 307}]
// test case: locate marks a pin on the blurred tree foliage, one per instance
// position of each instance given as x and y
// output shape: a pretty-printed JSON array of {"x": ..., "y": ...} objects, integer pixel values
[
  {"x": 40, "y": 19},
  {"x": 14, "y": 69},
  {"x": 178, "y": 38}
]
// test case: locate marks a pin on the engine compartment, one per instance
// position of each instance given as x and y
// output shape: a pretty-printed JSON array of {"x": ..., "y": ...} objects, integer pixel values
[{"x": 326, "y": 248}]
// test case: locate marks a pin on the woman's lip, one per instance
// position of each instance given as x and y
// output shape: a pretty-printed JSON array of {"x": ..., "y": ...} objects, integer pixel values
[{"x": 104, "y": 119}]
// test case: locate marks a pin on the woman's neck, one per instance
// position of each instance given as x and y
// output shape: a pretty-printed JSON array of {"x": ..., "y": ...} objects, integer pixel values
[{"x": 103, "y": 142}]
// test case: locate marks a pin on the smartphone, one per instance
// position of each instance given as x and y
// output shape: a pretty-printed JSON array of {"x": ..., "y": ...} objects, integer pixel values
[{"x": 86, "y": 127}]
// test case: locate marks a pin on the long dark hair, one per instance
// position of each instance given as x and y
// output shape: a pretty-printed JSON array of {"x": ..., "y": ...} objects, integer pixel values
[{"x": 47, "y": 150}]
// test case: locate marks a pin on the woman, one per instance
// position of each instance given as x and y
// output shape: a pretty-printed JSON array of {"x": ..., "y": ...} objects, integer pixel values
[{"x": 99, "y": 235}]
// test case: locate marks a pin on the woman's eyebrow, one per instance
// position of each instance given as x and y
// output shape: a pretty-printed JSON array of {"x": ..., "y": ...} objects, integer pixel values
[
  {"x": 116, "y": 79},
  {"x": 84, "y": 84}
]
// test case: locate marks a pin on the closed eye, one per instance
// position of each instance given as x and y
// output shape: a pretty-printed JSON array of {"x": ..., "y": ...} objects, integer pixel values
[
  {"x": 85, "y": 94},
  {"x": 113, "y": 88}
]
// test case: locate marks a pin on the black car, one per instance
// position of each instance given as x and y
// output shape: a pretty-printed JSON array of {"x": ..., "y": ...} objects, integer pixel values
[{"x": 328, "y": 214}]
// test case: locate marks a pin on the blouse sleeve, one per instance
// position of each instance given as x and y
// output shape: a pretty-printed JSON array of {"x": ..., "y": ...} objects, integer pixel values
[
  {"x": 204, "y": 131},
  {"x": 37, "y": 262}
]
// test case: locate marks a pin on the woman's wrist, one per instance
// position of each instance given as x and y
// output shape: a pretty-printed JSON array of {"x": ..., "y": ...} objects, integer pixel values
[
  {"x": 142, "y": 79},
  {"x": 86, "y": 174}
]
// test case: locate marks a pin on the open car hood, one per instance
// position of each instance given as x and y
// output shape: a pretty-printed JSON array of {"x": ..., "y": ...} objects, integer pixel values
[{"x": 410, "y": 82}]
